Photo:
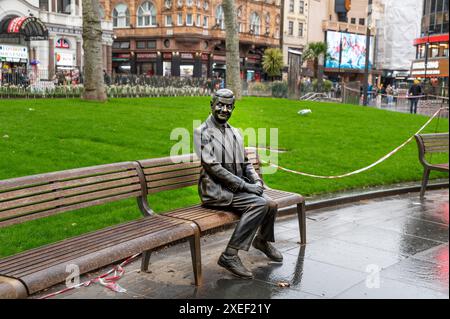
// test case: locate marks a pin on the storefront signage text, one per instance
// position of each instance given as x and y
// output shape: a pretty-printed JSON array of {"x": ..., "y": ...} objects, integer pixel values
[{"x": 12, "y": 53}]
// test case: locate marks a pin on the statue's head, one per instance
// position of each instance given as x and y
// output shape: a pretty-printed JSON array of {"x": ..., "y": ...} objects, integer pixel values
[{"x": 222, "y": 105}]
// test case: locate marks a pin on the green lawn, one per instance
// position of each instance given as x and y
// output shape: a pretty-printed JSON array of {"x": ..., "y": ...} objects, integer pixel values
[{"x": 38, "y": 136}]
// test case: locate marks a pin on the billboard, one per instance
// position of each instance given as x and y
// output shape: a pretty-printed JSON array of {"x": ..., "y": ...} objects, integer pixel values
[{"x": 347, "y": 51}]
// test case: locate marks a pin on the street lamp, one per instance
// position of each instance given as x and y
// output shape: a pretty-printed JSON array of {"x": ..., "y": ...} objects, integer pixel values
[
  {"x": 427, "y": 47},
  {"x": 366, "y": 67}
]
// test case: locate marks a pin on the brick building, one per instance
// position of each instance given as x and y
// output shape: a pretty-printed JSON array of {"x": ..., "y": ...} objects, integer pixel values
[{"x": 187, "y": 37}]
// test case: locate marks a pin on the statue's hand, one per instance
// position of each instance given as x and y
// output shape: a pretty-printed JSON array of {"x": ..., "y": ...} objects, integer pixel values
[{"x": 254, "y": 188}]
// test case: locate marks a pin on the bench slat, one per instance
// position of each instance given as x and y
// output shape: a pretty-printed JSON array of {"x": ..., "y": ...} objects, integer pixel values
[
  {"x": 172, "y": 187},
  {"x": 436, "y": 149},
  {"x": 172, "y": 174},
  {"x": 46, "y": 213},
  {"x": 173, "y": 181},
  {"x": 67, "y": 201},
  {"x": 172, "y": 167},
  {"x": 82, "y": 249},
  {"x": 59, "y": 185},
  {"x": 58, "y": 176},
  {"x": 32, "y": 253},
  {"x": 67, "y": 192},
  {"x": 154, "y": 162}
]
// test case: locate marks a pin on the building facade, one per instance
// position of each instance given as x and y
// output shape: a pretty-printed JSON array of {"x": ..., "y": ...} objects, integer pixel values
[
  {"x": 343, "y": 24},
  {"x": 187, "y": 37},
  {"x": 60, "y": 50},
  {"x": 431, "y": 64},
  {"x": 295, "y": 27},
  {"x": 397, "y": 24}
]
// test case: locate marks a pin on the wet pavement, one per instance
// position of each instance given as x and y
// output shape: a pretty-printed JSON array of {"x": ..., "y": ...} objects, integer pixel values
[{"x": 393, "y": 247}]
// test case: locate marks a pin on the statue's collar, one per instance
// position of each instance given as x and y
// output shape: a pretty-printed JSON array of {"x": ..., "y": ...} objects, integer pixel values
[{"x": 216, "y": 124}]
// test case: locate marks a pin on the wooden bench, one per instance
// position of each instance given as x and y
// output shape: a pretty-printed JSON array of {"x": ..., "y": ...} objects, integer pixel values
[
  {"x": 33, "y": 197},
  {"x": 429, "y": 144},
  {"x": 176, "y": 172}
]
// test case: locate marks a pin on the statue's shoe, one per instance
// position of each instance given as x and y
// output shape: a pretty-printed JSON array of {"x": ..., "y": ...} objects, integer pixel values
[
  {"x": 233, "y": 264},
  {"x": 268, "y": 249}
]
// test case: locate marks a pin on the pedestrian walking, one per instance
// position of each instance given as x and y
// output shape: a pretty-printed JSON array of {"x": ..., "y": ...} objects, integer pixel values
[{"x": 414, "y": 93}]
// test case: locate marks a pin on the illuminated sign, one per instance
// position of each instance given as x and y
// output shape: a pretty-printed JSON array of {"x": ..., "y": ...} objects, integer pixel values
[{"x": 347, "y": 51}]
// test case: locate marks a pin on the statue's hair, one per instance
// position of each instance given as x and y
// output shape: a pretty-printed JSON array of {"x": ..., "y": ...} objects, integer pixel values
[{"x": 224, "y": 95}]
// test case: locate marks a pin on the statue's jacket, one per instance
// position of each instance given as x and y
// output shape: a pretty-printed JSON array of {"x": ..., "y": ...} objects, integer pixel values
[{"x": 225, "y": 166}]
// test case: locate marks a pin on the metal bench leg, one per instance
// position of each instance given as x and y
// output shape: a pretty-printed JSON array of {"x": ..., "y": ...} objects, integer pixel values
[
  {"x": 145, "y": 260},
  {"x": 196, "y": 255},
  {"x": 301, "y": 212},
  {"x": 426, "y": 175}
]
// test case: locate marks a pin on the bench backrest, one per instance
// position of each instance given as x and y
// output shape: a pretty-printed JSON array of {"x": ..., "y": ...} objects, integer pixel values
[
  {"x": 175, "y": 172},
  {"x": 33, "y": 197},
  {"x": 433, "y": 143}
]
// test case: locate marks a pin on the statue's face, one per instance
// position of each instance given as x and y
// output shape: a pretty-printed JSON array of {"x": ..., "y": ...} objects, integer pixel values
[{"x": 222, "y": 111}]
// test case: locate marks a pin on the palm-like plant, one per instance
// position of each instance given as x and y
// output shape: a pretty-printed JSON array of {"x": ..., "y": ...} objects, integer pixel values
[
  {"x": 314, "y": 51},
  {"x": 272, "y": 61}
]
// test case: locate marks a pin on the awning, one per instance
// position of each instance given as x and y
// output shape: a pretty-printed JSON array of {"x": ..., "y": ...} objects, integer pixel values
[{"x": 31, "y": 28}]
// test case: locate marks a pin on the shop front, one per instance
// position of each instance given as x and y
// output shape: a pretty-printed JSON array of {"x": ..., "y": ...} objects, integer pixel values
[
  {"x": 434, "y": 74},
  {"x": 15, "y": 36},
  {"x": 253, "y": 68},
  {"x": 13, "y": 64},
  {"x": 146, "y": 63}
]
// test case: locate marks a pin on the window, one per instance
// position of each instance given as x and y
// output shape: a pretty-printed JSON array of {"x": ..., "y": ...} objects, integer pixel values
[
  {"x": 63, "y": 6},
  {"x": 151, "y": 44},
  {"x": 121, "y": 45},
  {"x": 121, "y": 16},
  {"x": 169, "y": 21},
  {"x": 301, "y": 8},
  {"x": 220, "y": 21},
  {"x": 291, "y": 6},
  {"x": 353, "y": 20},
  {"x": 240, "y": 27},
  {"x": 146, "y": 15},
  {"x": 43, "y": 5},
  {"x": 189, "y": 19},
  {"x": 62, "y": 43},
  {"x": 255, "y": 23},
  {"x": 362, "y": 21},
  {"x": 291, "y": 28},
  {"x": 199, "y": 4},
  {"x": 205, "y": 5},
  {"x": 205, "y": 22},
  {"x": 179, "y": 3},
  {"x": 198, "y": 23},
  {"x": 434, "y": 51},
  {"x": 168, "y": 4},
  {"x": 300, "y": 29},
  {"x": 140, "y": 44},
  {"x": 189, "y": 3},
  {"x": 180, "y": 19}
]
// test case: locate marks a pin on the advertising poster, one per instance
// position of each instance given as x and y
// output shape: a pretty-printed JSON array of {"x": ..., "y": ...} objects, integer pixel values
[{"x": 347, "y": 51}]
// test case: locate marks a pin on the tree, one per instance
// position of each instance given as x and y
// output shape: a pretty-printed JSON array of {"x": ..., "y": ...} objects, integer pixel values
[
  {"x": 94, "y": 87},
  {"x": 272, "y": 62},
  {"x": 232, "y": 48},
  {"x": 315, "y": 51}
]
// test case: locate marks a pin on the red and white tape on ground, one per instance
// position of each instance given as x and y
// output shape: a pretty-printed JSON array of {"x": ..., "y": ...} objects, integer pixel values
[
  {"x": 104, "y": 280},
  {"x": 364, "y": 168}
]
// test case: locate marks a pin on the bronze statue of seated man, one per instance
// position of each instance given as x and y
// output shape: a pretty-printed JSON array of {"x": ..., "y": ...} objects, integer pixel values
[{"x": 229, "y": 181}]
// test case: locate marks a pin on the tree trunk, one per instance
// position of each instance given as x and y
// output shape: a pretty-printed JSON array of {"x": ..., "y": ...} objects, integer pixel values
[
  {"x": 94, "y": 87},
  {"x": 232, "y": 48}
]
